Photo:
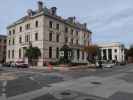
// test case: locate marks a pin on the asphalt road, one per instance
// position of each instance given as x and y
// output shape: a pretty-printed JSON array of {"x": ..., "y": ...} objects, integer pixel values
[{"x": 86, "y": 84}]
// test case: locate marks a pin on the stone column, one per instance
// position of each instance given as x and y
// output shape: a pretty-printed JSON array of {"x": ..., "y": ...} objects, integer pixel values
[
  {"x": 101, "y": 54},
  {"x": 107, "y": 54}
]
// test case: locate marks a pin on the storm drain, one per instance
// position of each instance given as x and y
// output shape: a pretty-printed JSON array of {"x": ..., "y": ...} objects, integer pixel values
[
  {"x": 65, "y": 94},
  {"x": 96, "y": 83}
]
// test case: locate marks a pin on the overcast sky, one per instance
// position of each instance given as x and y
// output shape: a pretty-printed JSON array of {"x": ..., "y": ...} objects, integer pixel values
[{"x": 109, "y": 20}]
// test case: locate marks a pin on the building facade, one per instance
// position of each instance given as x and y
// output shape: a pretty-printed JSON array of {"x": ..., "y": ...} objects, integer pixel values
[
  {"x": 112, "y": 51},
  {"x": 44, "y": 29},
  {"x": 2, "y": 48}
]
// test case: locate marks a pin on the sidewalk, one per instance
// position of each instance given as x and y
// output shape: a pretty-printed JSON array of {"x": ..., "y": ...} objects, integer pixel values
[{"x": 65, "y": 68}]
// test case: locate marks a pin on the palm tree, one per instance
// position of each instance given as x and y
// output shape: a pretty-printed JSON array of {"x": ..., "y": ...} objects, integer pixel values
[{"x": 32, "y": 53}]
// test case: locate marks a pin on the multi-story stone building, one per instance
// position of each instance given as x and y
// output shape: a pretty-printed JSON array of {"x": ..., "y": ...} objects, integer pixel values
[
  {"x": 2, "y": 48},
  {"x": 44, "y": 29},
  {"x": 112, "y": 51}
]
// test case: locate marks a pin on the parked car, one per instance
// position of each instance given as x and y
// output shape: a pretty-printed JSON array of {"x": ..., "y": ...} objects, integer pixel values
[
  {"x": 6, "y": 64},
  {"x": 99, "y": 64},
  {"x": 20, "y": 64},
  {"x": 104, "y": 64},
  {"x": 108, "y": 65}
]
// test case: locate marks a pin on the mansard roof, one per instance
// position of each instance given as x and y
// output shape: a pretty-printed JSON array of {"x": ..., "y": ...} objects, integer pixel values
[{"x": 47, "y": 12}]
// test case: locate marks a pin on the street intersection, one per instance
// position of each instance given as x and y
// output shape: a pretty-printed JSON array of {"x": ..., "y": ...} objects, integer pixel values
[{"x": 86, "y": 84}]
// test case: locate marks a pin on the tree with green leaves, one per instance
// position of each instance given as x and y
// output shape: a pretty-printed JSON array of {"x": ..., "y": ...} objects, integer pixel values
[
  {"x": 32, "y": 53},
  {"x": 130, "y": 52}
]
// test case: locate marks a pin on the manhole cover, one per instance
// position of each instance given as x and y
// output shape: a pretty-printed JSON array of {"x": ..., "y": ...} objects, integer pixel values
[
  {"x": 65, "y": 94},
  {"x": 96, "y": 83}
]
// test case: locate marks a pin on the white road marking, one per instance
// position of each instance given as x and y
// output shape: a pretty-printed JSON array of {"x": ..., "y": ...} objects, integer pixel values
[
  {"x": 3, "y": 90},
  {"x": 4, "y": 84},
  {"x": 31, "y": 78}
]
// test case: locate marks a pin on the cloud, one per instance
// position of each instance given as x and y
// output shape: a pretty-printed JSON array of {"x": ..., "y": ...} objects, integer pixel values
[{"x": 109, "y": 20}]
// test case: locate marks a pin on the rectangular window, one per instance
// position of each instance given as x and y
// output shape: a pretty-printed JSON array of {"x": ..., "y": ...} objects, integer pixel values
[
  {"x": 77, "y": 42},
  {"x": 20, "y": 39},
  {"x": 5, "y": 41},
  {"x": 115, "y": 50},
  {"x": 12, "y": 53},
  {"x": 9, "y": 42},
  {"x": 72, "y": 31},
  {"x": 66, "y": 29},
  {"x": 36, "y": 24},
  {"x": 50, "y": 36},
  {"x": 57, "y": 52},
  {"x": 9, "y": 54},
  {"x": 20, "y": 29},
  {"x": 10, "y": 32},
  {"x": 27, "y": 38},
  {"x": 66, "y": 39},
  {"x": 50, "y": 52},
  {"x": 27, "y": 26},
  {"x": 13, "y": 41},
  {"x": 82, "y": 55},
  {"x": 57, "y": 38},
  {"x": 71, "y": 41},
  {"x": 0, "y": 49},
  {"x": 36, "y": 36},
  {"x": 78, "y": 54},
  {"x": 13, "y": 31},
  {"x": 57, "y": 26},
  {"x": 77, "y": 33},
  {"x": 19, "y": 53},
  {"x": 50, "y": 24}
]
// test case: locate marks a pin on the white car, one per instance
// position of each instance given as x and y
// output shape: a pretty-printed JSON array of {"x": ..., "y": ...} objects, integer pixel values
[
  {"x": 105, "y": 64},
  {"x": 108, "y": 65}
]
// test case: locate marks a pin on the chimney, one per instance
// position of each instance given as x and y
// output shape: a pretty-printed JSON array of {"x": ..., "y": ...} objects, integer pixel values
[
  {"x": 85, "y": 25},
  {"x": 40, "y": 6},
  {"x": 72, "y": 19},
  {"x": 53, "y": 10},
  {"x": 29, "y": 12}
]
